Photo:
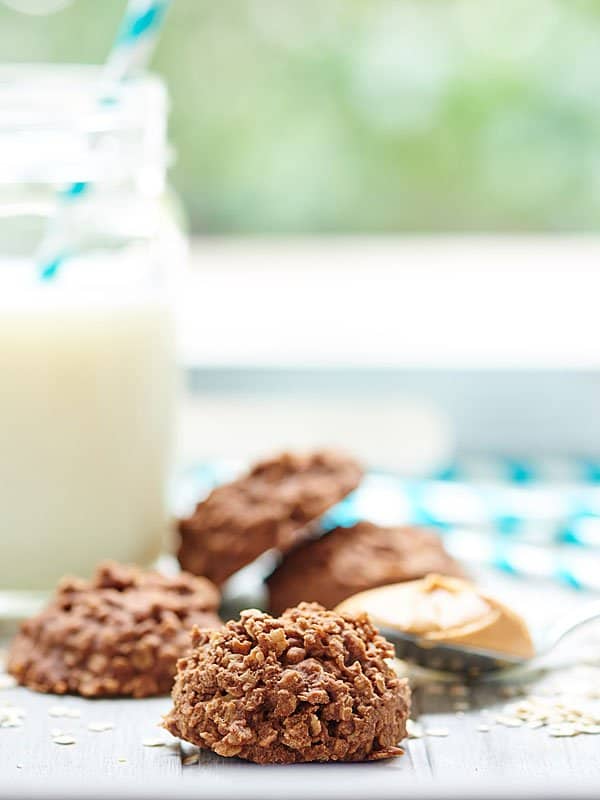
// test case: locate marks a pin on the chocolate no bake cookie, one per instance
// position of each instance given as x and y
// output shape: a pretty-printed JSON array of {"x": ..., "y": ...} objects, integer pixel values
[
  {"x": 119, "y": 633},
  {"x": 311, "y": 685},
  {"x": 269, "y": 507},
  {"x": 349, "y": 560}
]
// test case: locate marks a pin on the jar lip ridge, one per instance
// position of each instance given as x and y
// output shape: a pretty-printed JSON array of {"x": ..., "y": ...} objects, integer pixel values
[{"x": 54, "y": 122}]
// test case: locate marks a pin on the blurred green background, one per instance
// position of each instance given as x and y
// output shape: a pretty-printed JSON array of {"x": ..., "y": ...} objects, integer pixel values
[{"x": 365, "y": 115}]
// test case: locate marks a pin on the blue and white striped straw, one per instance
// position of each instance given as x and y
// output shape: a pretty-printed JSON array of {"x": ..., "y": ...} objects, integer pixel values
[
  {"x": 538, "y": 513},
  {"x": 530, "y": 471},
  {"x": 136, "y": 39},
  {"x": 383, "y": 503},
  {"x": 130, "y": 53},
  {"x": 578, "y": 568},
  {"x": 571, "y": 566}
]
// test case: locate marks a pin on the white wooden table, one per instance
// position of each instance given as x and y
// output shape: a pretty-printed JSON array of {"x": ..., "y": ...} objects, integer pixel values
[
  {"x": 502, "y": 761},
  {"x": 383, "y": 284}
]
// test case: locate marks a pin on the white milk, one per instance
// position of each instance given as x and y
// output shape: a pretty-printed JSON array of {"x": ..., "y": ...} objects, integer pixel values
[{"x": 86, "y": 384}]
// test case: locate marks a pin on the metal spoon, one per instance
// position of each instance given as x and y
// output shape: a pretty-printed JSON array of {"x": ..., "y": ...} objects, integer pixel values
[{"x": 473, "y": 662}]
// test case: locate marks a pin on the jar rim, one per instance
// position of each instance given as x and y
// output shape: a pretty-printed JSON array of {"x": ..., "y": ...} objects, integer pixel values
[
  {"x": 34, "y": 94},
  {"x": 61, "y": 122}
]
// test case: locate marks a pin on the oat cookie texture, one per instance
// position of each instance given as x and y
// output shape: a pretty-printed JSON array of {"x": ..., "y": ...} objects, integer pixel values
[
  {"x": 311, "y": 685},
  {"x": 346, "y": 561},
  {"x": 119, "y": 633}
]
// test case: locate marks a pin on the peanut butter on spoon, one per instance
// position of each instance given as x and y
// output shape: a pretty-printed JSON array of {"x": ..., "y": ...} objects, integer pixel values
[{"x": 443, "y": 610}]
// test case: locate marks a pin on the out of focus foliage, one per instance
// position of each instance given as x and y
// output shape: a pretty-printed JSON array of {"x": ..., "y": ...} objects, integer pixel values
[{"x": 366, "y": 115}]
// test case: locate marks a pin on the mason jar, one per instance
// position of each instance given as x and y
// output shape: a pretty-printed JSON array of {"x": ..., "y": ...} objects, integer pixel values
[{"x": 90, "y": 246}]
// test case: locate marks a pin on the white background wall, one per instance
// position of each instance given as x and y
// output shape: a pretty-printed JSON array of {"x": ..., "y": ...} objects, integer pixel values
[{"x": 402, "y": 349}]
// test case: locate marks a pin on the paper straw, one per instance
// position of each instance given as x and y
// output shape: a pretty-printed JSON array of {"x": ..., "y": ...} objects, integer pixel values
[
  {"x": 136, "y": 39},
  {"x": 542, "y": 514},
  {"x": 520, "y": 471},
  {"x": 131, "y": 51},
  {"x": 570, "y": 566},
  {"x": 576, "y": 567}
]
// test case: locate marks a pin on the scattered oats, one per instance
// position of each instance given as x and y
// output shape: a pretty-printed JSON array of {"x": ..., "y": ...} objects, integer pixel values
[
  {"x": 414, "y": 729},
  {"x": 63, "y": 739},
  {"x": 11, "y": 716},
  {"x": 99, "y": 727},
  {"x": 562, "y": 730},
  {"x": 523, "y": 706},
  {"x": 483, "y": 728},
  {"x": 462, "y": 706},
  {"x": 64, "y": 711},
  {"x": 7, "y": 682},
  {"x": 153, "y": 742},
  {"x": 194, "y": 758},
  {"x": 509, "y": 722},
  {"x": 587, "y": 728},
  {"x": 565, "y": 714},
  {"x": 437, "y": 731}
]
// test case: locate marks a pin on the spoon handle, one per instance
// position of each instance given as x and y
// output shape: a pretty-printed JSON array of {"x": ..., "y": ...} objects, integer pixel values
[{"x": 569, "y": 622}]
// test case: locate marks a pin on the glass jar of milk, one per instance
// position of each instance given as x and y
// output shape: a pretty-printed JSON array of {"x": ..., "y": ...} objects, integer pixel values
[{"x": 88, "y": 250}]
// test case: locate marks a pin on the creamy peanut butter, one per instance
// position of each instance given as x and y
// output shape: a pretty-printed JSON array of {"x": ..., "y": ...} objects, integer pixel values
[{"x": 442, "y": 609}]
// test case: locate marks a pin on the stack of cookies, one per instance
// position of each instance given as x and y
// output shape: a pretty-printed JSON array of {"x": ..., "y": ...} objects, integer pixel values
[
  {"x": 308, "y": 684},
  {"x": 275, "y": 506}
]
